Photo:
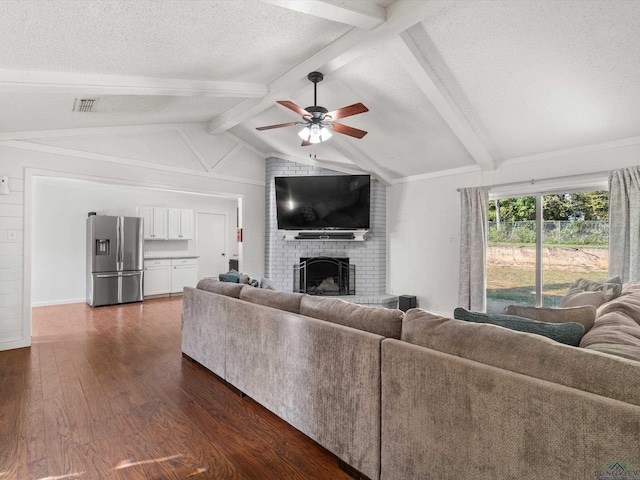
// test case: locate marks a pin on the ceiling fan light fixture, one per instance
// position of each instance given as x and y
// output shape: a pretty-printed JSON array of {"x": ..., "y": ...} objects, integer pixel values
[
  {"x": 325, "y": 134},
  {"x": 314, "y": 133},
  {"x": 304, "y": 133}
]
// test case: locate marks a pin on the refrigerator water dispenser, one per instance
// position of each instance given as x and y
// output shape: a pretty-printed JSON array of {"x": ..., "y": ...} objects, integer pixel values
[{"x": 102, "y": 246}]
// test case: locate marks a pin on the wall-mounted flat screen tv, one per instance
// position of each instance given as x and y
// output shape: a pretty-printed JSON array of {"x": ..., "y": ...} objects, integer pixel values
[{"x": 332, "y": 202}]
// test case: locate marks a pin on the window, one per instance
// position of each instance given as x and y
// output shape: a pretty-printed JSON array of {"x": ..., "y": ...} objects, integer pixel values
[{"x": 539, "y": 244}]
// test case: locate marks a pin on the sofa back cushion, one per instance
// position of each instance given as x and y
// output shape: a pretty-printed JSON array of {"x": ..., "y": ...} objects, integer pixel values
[
  {"x": 381, "y": 321},
  {"x": 526, "y": 353},
  {"x": 223, "y": 288},
  {"x": 287, "y": 301}
]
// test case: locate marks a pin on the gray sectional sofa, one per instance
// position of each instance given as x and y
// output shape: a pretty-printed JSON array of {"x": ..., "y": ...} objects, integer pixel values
[
  {"x": 419, "y": 396},
  {"x": 323, "y": 377}
]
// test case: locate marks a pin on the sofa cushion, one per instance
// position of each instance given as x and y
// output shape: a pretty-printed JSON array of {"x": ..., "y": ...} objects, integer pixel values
[
  {"x": 223, "y": 288},
  {"x": 381, "y": 321},
  {"x": 591, "y": 292},
  {"x": 525, "y": 353},
  {"x": 584, "y": 315},
  {"x": 287, "y": 301},
  {"x": 625, "y": 351},
  {"x": 568, "y": 333},
  {"x": 617, "y": 326},
  {"x": 628, "y": 302}
]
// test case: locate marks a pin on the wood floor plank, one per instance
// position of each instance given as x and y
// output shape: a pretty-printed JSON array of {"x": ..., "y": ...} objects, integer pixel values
[{"x": 105, "y": 393}]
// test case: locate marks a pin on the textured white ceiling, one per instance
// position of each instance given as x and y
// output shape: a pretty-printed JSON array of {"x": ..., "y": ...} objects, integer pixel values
[
  {"x": 449, "y": 84},
  {"x": 232, "y": 40},
  {"x": 539, "y": 76}
]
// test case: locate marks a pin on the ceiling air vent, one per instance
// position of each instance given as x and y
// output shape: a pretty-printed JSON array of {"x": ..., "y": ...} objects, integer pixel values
[{"x": 84, "y": 104}]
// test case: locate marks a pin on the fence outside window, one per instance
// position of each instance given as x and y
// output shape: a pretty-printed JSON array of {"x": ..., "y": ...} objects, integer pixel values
[{"x": 555, "y": 232}]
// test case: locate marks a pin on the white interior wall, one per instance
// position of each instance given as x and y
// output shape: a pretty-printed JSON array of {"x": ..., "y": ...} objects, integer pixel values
[
  {"x": 59, "y": 212},
  {"x": 23, "y": 166},
  {"x": 423, "y": 218}
]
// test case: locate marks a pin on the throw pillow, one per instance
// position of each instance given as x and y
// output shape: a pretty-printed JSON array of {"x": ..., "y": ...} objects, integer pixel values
[
  {"x": 568, "y": 333},
  {"x": 610, "y": 289},
  {"x": 577, "y": 298},
  {"x": 268, "y": 284},
  {"x": 584, "y": 315},
  {"x": 231, "y": 276}
]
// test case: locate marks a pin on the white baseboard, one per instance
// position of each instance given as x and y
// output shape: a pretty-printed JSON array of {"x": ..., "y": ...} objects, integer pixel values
[{"x": 48, "y": 303}]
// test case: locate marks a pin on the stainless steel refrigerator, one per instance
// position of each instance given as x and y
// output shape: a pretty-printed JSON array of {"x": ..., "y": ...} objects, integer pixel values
[{"x": 114, "y": 260}]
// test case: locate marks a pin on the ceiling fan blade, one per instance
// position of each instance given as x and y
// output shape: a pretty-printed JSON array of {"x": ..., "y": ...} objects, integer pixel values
[
  {"x": 354, "y": 109},
  {"x": 352, "y": 132},
  {"x": 280, "y": 125},
  {"x": 296, "y": 108},
  {"x": 306, "y": 143}
]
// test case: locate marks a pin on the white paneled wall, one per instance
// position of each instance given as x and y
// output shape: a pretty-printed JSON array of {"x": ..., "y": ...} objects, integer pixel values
[
  {"x": 12, "y": 256},
  {"x": 369, "y": 256}
]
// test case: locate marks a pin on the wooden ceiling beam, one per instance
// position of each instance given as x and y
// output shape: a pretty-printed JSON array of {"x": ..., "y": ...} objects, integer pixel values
[
  {"x": 58, "y": 82},
  {"x": 407, "y": 53},
  {"x": 401, "y": 15},
  {"x": 355, "y": 13}
]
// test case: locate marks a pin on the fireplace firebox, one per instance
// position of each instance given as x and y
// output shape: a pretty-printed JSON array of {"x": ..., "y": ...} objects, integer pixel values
[{"x": 324, "y": 276}]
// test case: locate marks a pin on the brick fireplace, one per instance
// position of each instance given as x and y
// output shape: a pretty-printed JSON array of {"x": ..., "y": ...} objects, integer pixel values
[{"x": 368, "y": 257}]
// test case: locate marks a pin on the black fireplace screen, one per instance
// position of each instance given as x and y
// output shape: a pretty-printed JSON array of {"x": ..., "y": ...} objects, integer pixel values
[{"x": 324, "y": 276}]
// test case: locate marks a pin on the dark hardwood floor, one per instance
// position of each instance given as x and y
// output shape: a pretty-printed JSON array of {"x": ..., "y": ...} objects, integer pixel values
[{"x": 105, "y": 393}]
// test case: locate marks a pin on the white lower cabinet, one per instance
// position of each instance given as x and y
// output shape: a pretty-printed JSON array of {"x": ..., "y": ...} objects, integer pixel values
[
  {"x": 184, "y": 273},
  {"x": 157, "y": 277},
  {"x": 169, "y": 275}
]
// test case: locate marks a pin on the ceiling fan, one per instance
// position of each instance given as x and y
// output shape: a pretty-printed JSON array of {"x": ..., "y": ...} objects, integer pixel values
[{"x": 318, "y": 121}]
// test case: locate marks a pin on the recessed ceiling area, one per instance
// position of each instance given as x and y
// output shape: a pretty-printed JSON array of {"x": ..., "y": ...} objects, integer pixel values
[{"x": 449, "y": 84}]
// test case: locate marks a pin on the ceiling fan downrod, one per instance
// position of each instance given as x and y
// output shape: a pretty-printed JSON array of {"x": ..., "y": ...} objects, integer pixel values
[
  {"x": 315, "y": 77},
  {"x": 315, "y": 110}
]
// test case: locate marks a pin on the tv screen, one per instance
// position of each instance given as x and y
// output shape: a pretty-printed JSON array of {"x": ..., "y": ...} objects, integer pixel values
[{"x": 323, "y": 202}]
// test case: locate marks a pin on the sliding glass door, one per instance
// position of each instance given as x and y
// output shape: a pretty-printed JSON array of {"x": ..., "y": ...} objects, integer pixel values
[
  {"x": 575, "y": 241},
  {"x": 539, "y": 244}
]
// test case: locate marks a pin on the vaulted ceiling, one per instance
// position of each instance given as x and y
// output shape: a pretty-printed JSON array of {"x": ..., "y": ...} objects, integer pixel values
[{"x": 448, "y": 84}]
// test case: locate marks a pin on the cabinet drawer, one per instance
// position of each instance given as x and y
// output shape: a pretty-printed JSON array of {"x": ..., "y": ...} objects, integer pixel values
[
  {"x": 184, "y": 261},
  {"x": 157, "y": 263}
]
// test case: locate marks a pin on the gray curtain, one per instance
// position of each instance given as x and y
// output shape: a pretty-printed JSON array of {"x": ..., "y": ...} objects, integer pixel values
[
  {"x": 624, "y": 223},
  {"x": 473, "y": 248}
]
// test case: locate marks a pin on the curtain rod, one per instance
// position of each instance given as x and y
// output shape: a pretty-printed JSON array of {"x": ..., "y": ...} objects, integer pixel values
[{"x": 533, "y": 180}]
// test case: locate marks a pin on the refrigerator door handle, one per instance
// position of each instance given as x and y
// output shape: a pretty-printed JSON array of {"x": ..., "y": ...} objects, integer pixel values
[
  {"x": 119, "y": 274},
  {"x": 119, "y": 241}
]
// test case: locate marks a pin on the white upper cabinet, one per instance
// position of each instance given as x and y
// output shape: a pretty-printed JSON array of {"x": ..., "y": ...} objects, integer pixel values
[
  {"x": 180, "y": 224},
  {"x": 155, "y": 222}
]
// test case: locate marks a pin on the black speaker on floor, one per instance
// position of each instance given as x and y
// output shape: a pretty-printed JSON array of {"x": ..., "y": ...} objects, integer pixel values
[{"x": 405, "y": 302}]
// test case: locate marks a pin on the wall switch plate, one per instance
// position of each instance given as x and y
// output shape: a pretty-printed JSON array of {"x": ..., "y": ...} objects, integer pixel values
[{"x": 12, "y": 235}]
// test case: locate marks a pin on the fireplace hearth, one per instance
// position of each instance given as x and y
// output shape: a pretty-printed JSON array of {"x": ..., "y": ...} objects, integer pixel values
[{"x": 324, "y": 276}]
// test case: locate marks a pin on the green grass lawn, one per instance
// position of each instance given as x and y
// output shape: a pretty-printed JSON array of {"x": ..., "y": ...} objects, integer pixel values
[{"x": 517, "y": 284}]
